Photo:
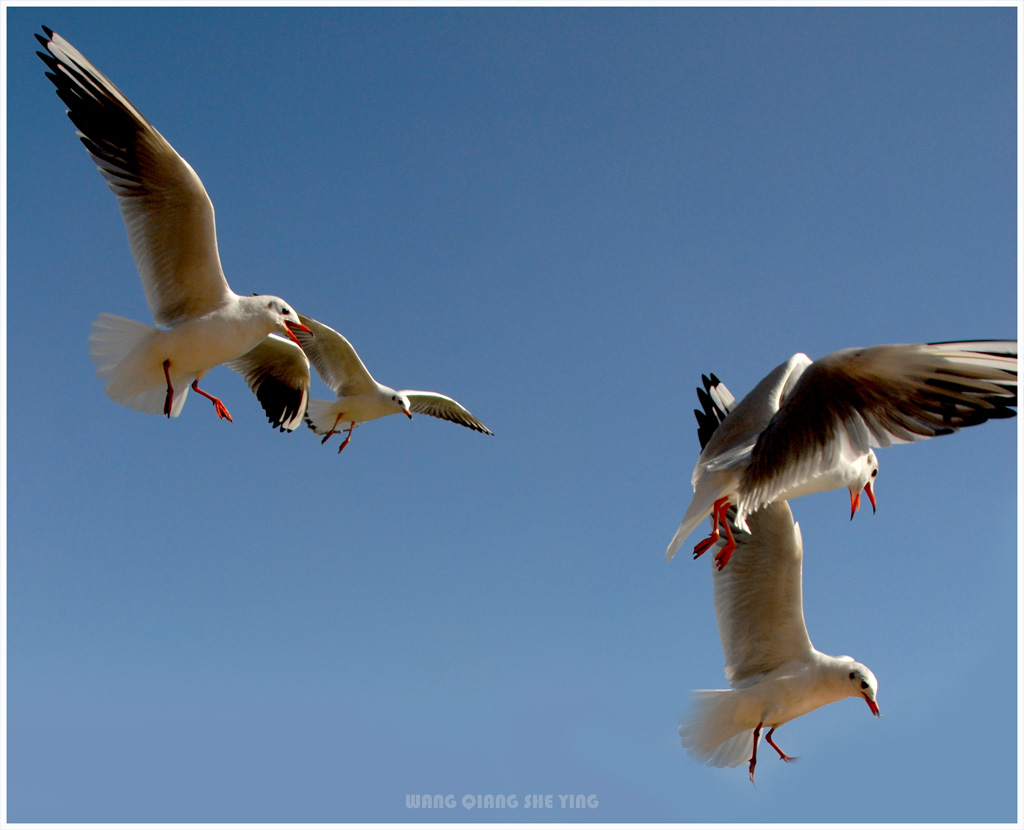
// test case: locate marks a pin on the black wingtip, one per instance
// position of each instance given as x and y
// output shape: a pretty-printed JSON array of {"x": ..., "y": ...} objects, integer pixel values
[
  {"x": 712, "y": 415},
  {"x": 51, "y": 63},
  {"x": 281, "y": 403}
]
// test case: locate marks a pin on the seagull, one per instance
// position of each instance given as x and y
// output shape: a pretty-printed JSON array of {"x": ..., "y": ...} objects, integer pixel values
[
  {"x": 775, "y": 674},
  {"x": 810, "y": 426},
  {"x": 360, "y": 397},
  {"x": 171, "y": 232}
]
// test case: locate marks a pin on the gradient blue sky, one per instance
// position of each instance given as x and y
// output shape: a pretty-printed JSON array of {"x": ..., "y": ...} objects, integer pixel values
[{"x": 561, "y": 218}]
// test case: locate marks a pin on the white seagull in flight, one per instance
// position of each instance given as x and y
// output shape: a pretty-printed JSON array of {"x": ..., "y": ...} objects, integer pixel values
[
  {"x": 810, "y": 426},
  {"x": 360, "y": 397},
  {"x": 170, "y": 224}
]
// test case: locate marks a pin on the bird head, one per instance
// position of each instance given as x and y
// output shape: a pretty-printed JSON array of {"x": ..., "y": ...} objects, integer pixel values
[
  {"x": 864, "y": 476},
  {"x": 401, "y": 403},
  {"x": 862, "y": 682},
  {"x": 285, "y": 319}
]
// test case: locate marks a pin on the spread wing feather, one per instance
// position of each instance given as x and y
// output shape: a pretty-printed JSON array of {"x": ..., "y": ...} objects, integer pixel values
[
  {"x": 441, "y": 406},
  {"x": 334, "y": 359},
  {"x": 277, "y": 372},
  {"x": 166, "y": 210},
  {"x": 851, "y": 400}
]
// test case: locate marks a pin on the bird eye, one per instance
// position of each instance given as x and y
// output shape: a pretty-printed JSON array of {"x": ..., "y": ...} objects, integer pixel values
[
  {"x": 863, "y": 684},
  {"x": 874, "y": 473},
  {"x": 851, "y": 675}
]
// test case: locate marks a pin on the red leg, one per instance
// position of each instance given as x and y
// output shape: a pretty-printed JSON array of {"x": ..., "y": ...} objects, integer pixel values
[
  {"x": 222, "y": 411},
  {"x": 753, "y": 757},
  {"x": 170, "y": 389},
  {"x": 330, "y": 432},
  {"x": 782, "y": 754},
  {"x": 348, "y": 437},
  {"x": 717, "y": 514},
  {"x": 722, "y": 557}
]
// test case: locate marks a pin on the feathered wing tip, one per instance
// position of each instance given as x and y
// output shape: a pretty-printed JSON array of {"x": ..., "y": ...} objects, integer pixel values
[
  {"x": 710, "y": 733},
  {"x": 138, "y": 387},
  {"x": 441, "y": 406},
  {"x": 716, "y": 401},
  {"x": 996, "y": 348},
  {"x": 723, "y": 398},
  {"x": 708, "y": 418},
  {"x": 992, "y": 360},
  {"x": 321, "y": 415},
  {"x": 283, "y": 405},
  {"x": 277, "y": 372}
]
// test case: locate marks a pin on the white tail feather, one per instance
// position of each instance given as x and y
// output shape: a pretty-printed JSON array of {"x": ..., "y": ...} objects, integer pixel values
[
  {"x": 138, "y": 382},
  {"x": 321, "y": 415},
  {"x": 693, "y": 518},
  {"x": 708, "y": 491},
  {"x": 111, "y": 340},
  {"x": 710, "y": 732}
]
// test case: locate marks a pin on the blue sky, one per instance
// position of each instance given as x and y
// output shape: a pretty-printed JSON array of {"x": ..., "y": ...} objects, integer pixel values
[{"x": 561, "y": 218}]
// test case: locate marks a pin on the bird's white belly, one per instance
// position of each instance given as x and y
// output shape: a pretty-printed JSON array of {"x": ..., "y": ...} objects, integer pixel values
[
  {"x": 191, "y": 348},
  {"x": 792, "y": 692},
  {"x": 362, "y": 408},
  {"x": 195, "y": 347}
]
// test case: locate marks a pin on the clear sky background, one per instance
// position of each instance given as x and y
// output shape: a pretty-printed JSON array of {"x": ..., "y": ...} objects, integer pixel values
[{"x": 561, "y": 218}]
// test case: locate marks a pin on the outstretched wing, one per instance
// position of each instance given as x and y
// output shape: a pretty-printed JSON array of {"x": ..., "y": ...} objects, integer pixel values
[
  {"x": 759, "y": 597},
  {"x": 441, "y": 406},
  {"x": 852, "y": 400},
  {"x": 334, "y": 359},
  {"x": 277, "y": 372},
  {"x": 166, "y": 210}
]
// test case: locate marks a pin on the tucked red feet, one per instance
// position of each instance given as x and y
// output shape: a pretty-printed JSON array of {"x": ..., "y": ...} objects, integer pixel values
[
  {"x": 718, "y": 516},
  {"x": 723, "y": 556}
]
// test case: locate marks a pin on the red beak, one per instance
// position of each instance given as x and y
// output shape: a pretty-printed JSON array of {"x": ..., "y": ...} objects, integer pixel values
[
  {"x": 290, "y": 329},
  {"x": 854, "y": 503},
  {"x": 872, "y": 706},
  {"x": 871, "y": 495},
  {"x": 409, "y": 414}
]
